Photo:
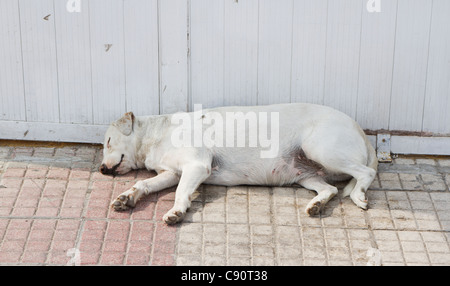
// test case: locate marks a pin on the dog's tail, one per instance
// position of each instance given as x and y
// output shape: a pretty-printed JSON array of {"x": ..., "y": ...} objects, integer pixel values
[{"x": 372, "y": 162}]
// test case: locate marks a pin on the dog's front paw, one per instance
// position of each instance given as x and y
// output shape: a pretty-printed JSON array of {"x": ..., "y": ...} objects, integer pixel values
[
  {"x": 125, "y": 200},
  {"x": 173, "y": 216}
]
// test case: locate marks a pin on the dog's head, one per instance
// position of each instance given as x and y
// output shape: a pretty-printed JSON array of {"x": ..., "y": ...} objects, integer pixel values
[{"x": 118, "y": 147}]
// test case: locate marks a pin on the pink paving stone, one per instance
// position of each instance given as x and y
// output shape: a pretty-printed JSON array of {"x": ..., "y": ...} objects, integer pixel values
[
  {"x": 14, "y": 172},
  {"x": 118, "y": 246},
  {"x": 36, "y": 173},
  {"x": 65, "y": 234},
  {"x": 7, "y": 202},
  {"x": 80, "y": 174},
  {"x": 24, "y": 202},
  {"x": 98, "y": 208},
  {"x": 12, "y": 246},
  {"x": 142, "y": 231},
  {"x": 44, "y": 224},
  {"x": 5, "y": 211},
  {"x": 23, "y": 212},
  {"x": 113, "y": 214},
  {"x": 165, "y": 238},
  {"x": 50, "y": 202},
  {"x": 16, "y": 234},
  {"x": 89, "y": 258},
  {"x": 144, "y": 209},
  {"x": 140, "y": 246},
  {"x": 41, "y": 234},
  {"x": 34, "y": 257},
  {"x": 137, "y": 258},
  {"x": 117, "y": 234},
  {"x": 10, "y": 256},
  {"x": 112, "y": 258},
  {"x": 91, "y": 245},
  {"x": 38, "y": 245},
  {"x": 60, "y": 174},
  {"x": 101, "y": 189},
  {"x": 70, "y": 212},
  {"x": 20, "y": 224},
  {"x": 62, "y": 245},
  {"x": 73, "y": 202},
  {"x": 163, "y": 260},
  {"x": 58, "y": 258},
  {"x": 47, "y": 212},
  {"x": 77, "y": 187}
]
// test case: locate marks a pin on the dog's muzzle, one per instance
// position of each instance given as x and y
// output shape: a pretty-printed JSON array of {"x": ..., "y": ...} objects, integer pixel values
[{"x": 113, "y": 171}]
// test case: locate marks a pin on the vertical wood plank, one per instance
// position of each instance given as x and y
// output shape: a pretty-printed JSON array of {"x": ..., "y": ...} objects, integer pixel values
[
  {"x": 12, "y": 100},
  {"x": 207, "y": 52},
  {"x": 108, "y": 67},
  {"x": 410, "y": 64},
  {"x": 375, "y": 68},
  {"x": 37, "y": 20},
  {"x": 436, "y": 117},
  {"x": 141, "y": 56},
  {"x": 274, "y": 51},
  {"x": 173, "y": 53},
  {"x": 240, "y": 52},
  {"x": 308, "y": 50},
  {"x": 342, "y": 55},
  {"x": 74, "y": 63}
]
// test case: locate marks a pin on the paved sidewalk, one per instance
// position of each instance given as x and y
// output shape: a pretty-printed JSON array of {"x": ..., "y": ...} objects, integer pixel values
[{"x": 54, "y": 210}]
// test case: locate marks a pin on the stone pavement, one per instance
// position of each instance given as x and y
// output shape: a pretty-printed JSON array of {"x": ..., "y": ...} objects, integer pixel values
[{"x": 54, "y": 210}]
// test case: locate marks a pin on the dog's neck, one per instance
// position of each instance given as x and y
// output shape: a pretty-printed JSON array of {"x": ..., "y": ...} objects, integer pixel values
[{"x": 150, "y": 130}]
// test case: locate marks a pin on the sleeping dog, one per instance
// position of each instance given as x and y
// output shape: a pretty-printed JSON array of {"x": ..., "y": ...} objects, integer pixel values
[{"x": 276, "y": 145}]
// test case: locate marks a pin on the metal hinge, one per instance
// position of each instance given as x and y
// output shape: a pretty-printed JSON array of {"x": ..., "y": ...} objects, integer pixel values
[{"x": 384, "y": 148}]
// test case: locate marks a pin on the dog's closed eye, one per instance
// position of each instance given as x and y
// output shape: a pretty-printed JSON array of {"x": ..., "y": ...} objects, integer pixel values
[{"x": 107, "y": 144}]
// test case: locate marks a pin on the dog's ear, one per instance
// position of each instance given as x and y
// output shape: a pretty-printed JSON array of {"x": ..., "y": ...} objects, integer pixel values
[{"x": 125, "y": 124}]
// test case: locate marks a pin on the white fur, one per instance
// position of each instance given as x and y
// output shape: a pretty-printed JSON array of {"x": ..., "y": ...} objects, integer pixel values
[{"x": 329, "y": 139}]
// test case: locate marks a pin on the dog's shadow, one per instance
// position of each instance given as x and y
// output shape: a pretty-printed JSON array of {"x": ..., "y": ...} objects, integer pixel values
[
  {"x": 161, "y": 202},
  {"x": 208, "y": 194}
]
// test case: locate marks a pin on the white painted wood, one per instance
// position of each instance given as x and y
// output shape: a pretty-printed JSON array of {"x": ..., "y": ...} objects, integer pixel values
[
  {"x": 58, "y": 132},
  {"x": 12, "y": 95},
  {"x": 240, "y": 52},
  {"x": 61, "y": 70},
  {"x": 420, "y": 145},
  {"x": 274, "y": 51},
  {"x": 74, "y": 64},
  {"x": 342, "y": 54},
  {"x": 410, "y": 64},
  {"x": 308, "y": 51},
  {"x": 436, "y": 117},
  {"x": 37, "y": 22},
  {"x": 141, "y": 56},
  {"x": 108, "y": 62},
  {"x": 207, "y": 52},
  {"x": 173, "y": 53},
  {"x": 375, "y": 67}
]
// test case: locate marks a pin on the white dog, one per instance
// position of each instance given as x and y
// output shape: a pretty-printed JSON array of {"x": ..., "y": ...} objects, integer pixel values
[{"x": 309, "y": 145}]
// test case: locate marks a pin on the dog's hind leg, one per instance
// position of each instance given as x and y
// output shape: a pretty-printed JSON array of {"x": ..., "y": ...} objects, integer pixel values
[
  {"x": 142, "y": 188},
  {"x": 325, "y": 192}
]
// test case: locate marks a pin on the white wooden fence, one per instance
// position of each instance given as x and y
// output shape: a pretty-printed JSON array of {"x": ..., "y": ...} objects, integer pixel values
[{"x": 70, "y": 67}]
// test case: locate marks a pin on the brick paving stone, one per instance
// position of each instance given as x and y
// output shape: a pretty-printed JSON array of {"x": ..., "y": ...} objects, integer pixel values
[{"x": 54, "y": 202}]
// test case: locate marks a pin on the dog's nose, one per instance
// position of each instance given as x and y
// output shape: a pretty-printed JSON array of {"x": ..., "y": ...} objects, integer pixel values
[{"x": 103, "y": 169}]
